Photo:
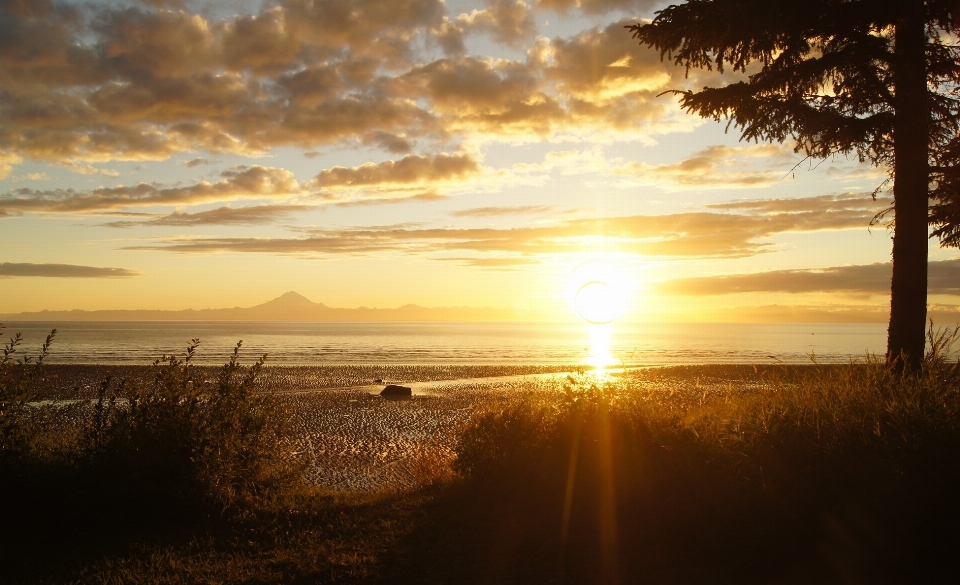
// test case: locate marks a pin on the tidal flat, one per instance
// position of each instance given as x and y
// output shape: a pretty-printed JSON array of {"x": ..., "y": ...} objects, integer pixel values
[
  {"x": 517, "y": 474},
  {"x": 355, "y": 440}
]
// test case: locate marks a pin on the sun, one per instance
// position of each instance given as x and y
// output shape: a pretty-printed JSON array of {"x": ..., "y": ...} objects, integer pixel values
[{"x": 597, "y": 291}]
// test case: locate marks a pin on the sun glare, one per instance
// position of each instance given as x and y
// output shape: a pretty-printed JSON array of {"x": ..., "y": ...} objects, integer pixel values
[
  {"x": 601, "y": 336},
  {"x": 598, "y": 292}
]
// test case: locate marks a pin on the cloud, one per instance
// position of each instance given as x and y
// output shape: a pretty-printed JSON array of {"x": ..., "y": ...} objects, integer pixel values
[
  {"x": 409, "y": 170},
  {"x": 819, "y": 204},
  {"x": 90, "y": 170},
  {"x": 873, "y": 279},
  {"x": 105, "y": 82},
  {"x": 482, "y": 89},
  {"x": 133, "y": 83},
  {"x": 449, "y": 36},
  {"x": 508, "y": 21},
  {"x": 260, "y": 42},
  {"x": 255, "y": 182},
  {"x": 255, "y": 215},
  {"x": 7, "y": 161},
  {"x": 600, "y": 65},
  {"x": 196, "y": 162},
  {"x": 689, "y": 235},
  {"x": 947, "y": 315},
  {"x": 494, "y": 263},
  {"x": 596, "y": 6},
  {"x": 381, "y": 28},
  {"x": 429, "y": 195},
  {"x": 593, "y": 82},
  {"x": 412, "y": 178},
  {"x": 160, "y": 43},
  {"x": 502, "y": 211},
  {"x": 717, "y": 167},
  {"x": 396, "y": 179},
  {"x": 819, "y": 313},
  {"x": 11, "y": 269}
]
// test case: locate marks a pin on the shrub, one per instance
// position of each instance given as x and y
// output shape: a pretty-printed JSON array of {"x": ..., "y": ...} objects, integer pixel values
[
  {"x": 186, "y": 437},
  {"x": 745, "y": 484},
  {"x": 179, "y": 437},
  {"x": 32, "y": 432}
]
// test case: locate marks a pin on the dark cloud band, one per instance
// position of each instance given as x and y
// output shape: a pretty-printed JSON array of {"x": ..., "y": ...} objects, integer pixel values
[
  {"x": 944, "y": 278},
  {"x": 692, "y": 235},
  {"x": 12, "y": 269}
]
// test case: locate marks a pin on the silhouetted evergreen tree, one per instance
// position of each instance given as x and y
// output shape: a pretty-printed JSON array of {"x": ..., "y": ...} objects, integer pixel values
[{"x": 874, "y": 78}]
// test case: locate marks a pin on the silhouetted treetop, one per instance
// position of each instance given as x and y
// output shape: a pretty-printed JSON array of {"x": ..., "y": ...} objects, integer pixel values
[
  {"x": 876, "y": 78},
  {"x": 819, "y": 72}
]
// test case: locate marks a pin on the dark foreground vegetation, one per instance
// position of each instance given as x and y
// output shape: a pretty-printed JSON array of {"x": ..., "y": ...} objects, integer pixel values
[{"x": 834, "y": 474}]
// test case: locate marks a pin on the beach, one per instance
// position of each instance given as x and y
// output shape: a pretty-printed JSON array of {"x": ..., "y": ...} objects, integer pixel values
[
  {"x": 355, "y": 440},
  {"x": 489, "y": 474}
]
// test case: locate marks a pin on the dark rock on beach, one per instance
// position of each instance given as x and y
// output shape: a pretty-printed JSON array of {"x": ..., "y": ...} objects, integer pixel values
[{"x": 393, "y": 390}]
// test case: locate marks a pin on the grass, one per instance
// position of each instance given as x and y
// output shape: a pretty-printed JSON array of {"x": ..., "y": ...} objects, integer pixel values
[{"x": 820, "y": 474}]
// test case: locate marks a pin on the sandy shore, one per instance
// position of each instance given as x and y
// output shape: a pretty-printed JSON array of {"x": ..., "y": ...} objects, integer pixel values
[
  {"x": 81, "y": 381},
  {"x": 356, "y": 440}
]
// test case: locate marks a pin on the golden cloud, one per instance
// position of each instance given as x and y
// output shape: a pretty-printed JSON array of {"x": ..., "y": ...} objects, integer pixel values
[
  {"x": 508, "y": 21},
  {"x": 259, "y": 42},
  {"x": 597, "y": 65},
  {"x": 717, "y": 167},
  {"x": 873, "y": 279},
  {"x": 255, "y": 182},
  {"x": 138, "y": 83},
  {"x": 818, "y": 204},
  {"x": 595, "y": 6},
  {"x": 161, "y": 43},
  {"x": 254, "y": 215},
  {"x": 689, "y": 235},
  {"x": 410, "y": 170},
  {"x": 384, "y": 29},
  {"x": 12, "y": 269},
  {"x": 500, "y": 264},
  {"x": 392, "y": 198},
  {"x": 502, "y": 211},
  {"x": 412, "y": 178}
]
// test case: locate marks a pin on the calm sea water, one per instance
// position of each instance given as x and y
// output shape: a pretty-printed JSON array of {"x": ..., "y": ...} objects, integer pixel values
[{"x": 455, "y": 343}]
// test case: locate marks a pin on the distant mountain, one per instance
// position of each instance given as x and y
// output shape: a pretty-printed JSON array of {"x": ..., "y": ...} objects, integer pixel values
[{"x": 289, "y": 306}]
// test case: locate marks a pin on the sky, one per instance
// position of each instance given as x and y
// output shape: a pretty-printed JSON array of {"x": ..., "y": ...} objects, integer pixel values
[{"x": 178, "y": 154}]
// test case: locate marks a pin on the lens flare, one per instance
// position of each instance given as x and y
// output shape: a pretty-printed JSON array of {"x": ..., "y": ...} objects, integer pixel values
[
  {"x": 597, "y": 291},
  {"x": 601, "y": 357}
]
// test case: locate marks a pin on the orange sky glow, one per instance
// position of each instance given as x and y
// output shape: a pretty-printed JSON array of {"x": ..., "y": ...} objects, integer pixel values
[{"x": 180, "y": 154}]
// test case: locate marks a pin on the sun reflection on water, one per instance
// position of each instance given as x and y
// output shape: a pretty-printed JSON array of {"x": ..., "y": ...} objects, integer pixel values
[
  {"x": 601, "y": 336},
  {"x": 598, "y": 292}
]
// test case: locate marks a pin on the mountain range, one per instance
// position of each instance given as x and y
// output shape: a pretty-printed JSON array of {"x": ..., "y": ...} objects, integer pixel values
[{"x": 290, "y": 306}]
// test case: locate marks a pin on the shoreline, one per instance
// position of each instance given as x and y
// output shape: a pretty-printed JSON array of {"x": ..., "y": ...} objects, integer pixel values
[{"x": 357, "y": 441}]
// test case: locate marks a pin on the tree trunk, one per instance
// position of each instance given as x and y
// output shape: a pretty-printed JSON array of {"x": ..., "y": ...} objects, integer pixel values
[{"x": 908, "y": 294}]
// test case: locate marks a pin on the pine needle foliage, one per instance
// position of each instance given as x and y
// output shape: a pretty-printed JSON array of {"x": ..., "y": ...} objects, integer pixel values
[
  {"x": 875, "y": 79},
  {"x": 820, "y": 72}
]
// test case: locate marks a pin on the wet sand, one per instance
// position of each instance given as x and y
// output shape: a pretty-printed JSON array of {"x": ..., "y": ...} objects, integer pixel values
[
  {"x": 353, "y": 438},
  {"x": 356, "y": 440},
  {"x": 81, "y": 381}
]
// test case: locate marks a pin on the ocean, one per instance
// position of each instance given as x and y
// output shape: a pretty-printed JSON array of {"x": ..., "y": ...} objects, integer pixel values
[{"x": 303, "y": 343}]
